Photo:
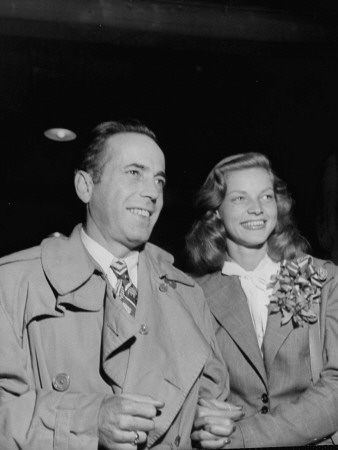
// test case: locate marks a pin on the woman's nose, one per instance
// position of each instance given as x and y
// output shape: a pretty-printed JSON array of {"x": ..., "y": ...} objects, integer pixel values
[{"x": 255, "y": 207}]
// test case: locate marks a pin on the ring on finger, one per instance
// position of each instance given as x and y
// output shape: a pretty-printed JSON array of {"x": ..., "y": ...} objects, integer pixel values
[{"x": 137, "y": 438}]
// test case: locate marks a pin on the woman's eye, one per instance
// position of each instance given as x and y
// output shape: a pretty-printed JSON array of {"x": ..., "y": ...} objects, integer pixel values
[
  {"x": 239, "y": 198},
  {"x": 268, "y": 197}
]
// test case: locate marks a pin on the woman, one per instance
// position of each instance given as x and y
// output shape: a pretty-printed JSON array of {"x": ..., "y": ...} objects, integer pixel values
[{"x": 262, "y": 289}]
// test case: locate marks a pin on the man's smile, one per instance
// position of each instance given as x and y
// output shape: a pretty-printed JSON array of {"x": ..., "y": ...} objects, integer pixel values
[{"x": 140, "y": 212}]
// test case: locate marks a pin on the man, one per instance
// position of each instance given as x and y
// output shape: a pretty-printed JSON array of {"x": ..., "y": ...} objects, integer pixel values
[{"x": 103, "y": 343}]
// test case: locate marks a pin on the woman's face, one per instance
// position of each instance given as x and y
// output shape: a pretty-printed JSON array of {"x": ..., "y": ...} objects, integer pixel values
[{"x": 249, "y": 209}]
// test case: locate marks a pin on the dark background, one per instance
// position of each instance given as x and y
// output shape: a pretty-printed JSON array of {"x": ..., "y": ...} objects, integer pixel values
[{"x": 212, "y": 78}]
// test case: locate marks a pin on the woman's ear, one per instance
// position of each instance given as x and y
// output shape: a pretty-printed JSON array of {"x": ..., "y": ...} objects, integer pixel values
[
  {"x": 83, "y": 186},
  {"x": 217, "y": 214}
]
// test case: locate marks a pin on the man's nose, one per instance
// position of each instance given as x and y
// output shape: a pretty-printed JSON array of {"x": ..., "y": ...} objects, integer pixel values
[{"x": 151, "y": 190}]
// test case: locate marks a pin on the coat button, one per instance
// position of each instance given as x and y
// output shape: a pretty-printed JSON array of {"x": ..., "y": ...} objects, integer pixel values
[
  {"x": 61, "y": 382},
  {"x": 264, "y": 410},
  {"x": 144, "y": 329},
  {"x": 177, "y": 440},
  {"x": 265, "y": 398},
  {"x": 163, "y": 287}
]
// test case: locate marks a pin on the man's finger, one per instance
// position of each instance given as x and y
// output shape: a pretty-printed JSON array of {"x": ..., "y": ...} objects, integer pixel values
[
  {"x": 135, "y": 423},
  {"x": 148, "y": 399},
  {"x": 129, "y": 405}
]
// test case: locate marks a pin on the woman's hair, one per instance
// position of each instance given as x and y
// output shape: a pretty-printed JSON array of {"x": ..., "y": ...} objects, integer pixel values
[{"x": 206, "y": 242}]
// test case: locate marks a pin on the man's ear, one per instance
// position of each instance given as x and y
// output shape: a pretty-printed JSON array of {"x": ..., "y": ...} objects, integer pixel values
[{"x": 83, "y": 185}]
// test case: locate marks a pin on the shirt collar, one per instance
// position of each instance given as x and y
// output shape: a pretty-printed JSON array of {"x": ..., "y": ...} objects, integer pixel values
[
  {"x": 263, "y": 271},
  {"x": 103, "y": 257},
  {"x": 265, "y": 262}
]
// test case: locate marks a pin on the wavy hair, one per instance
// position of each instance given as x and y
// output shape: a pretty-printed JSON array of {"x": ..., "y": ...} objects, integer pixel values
[{"x": 206, "y": 241}]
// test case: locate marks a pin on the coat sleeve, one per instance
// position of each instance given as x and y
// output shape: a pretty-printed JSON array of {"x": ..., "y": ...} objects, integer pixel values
[
  {"x": 312, "y": 415},
  {"x": 38, "y": 419}
]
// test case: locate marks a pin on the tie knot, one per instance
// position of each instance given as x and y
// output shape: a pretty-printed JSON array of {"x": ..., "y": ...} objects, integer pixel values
[{"x": 120, "y": 269}]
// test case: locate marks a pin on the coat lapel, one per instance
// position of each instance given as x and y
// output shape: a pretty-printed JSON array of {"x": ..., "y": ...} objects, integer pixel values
[
  {"x": 166, "y": 361},
  {"x": 119, "y": 330},
  {"x": 229, "y": 306}
]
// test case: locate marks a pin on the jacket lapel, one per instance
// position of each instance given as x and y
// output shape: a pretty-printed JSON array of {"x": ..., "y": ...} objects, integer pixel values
[
  {"x": 229, "y": 306},
  {"x": 274, "y": 337}
]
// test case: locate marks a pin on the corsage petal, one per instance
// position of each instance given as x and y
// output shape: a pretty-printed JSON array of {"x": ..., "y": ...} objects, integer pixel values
[{"x": 295, "y": 288}]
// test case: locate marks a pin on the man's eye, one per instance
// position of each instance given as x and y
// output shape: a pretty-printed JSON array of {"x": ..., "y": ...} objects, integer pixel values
[
  {"x": 133, "y": 172},
  {"x": 161, "y": 181}
]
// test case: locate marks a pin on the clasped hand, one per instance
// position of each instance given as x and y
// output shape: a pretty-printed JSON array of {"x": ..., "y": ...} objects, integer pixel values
[
  {"x": 214, "y": 423},
  {"x": 125, "y": 420}
]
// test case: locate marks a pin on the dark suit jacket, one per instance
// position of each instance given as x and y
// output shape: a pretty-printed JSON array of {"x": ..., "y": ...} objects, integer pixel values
[{"x": 282, "y": 405}]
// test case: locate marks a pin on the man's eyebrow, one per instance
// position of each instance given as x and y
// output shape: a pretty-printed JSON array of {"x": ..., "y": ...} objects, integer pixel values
[
  {"x": 161, "y": 173},
  {"x": 137, "y": 165}
]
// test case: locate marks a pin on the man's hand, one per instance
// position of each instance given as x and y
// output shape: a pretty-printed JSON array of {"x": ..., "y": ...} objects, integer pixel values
[
  {"x": 125, "y": 420},
  {"x": 214, "y": 423}
]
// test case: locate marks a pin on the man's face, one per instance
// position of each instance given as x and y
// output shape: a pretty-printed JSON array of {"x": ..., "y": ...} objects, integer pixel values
[{"x": 125, "y": 204}]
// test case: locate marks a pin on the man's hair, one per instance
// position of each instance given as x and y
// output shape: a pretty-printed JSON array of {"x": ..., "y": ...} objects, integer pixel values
[
  {"x": 206, "y": 242},
  {"x": 92, "y": 158}
]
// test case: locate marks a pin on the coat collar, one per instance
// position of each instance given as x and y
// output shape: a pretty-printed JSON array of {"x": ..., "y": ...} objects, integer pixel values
[
  {"x": 68, "y": 265},
  {"x": 228, "y": 304},
  {"x": 69, "y": 269},
  {"x": 66, "y": 262}
]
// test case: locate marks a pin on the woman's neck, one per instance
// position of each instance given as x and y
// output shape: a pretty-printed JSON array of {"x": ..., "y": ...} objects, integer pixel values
[{"x": 248, "y": 258}]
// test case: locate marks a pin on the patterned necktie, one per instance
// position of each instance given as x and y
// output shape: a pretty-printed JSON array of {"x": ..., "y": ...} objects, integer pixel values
[{"x": 125, "y": 290}]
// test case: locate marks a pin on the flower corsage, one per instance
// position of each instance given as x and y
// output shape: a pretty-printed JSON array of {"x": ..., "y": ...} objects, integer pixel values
[{"x": 296, "y": 287}]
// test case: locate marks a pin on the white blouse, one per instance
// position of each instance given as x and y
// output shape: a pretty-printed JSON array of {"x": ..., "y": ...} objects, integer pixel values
[{"x": 254, "y": 284}]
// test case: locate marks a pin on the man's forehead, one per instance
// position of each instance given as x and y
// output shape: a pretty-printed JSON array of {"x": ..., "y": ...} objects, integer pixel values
[
  {"x": 134, "y": 148},
  {"x": 139, "y": 150}
]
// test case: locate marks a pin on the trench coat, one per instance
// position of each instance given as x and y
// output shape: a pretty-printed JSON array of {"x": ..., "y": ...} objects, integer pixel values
[
  {"x": 61, "y": 352},
  {"x": 282, "y": 406}
]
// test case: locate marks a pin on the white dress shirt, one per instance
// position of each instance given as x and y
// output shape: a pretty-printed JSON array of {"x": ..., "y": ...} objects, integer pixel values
[
  {"x": 104, "y": 259},
  {"x": 254, "y": 284}
]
